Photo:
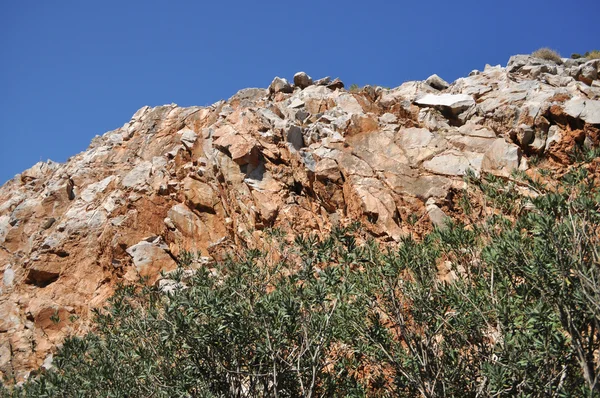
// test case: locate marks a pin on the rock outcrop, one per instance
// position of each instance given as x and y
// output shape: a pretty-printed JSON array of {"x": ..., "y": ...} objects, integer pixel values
[{"x": 300, "y": 157}]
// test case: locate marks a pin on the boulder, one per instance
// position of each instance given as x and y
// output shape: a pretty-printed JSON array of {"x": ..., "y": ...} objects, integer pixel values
[
  {"x": 437, "y": 82},
  {"x": 150, "y": 256},
  {"x": 302, "y": 80},
  {"x": 336, "y": 84},
  {"x": 454, "y": 163},
  {"x": 501, "y": 158},
  {"x": 280, "y": 85},
  {"x": 455, "y": 102},
  {"x": 586, "y": 110},
  {"x": 137, "y": 178},
  {"x": 200, "y": 195}
]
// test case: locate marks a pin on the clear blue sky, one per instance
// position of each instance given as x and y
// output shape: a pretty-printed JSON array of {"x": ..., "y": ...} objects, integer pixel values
[{"x": 70, "y": 70}]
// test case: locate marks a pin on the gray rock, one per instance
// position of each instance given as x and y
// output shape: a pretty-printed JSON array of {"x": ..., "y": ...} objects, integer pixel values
[
  {"x": 280, "y": 85},
  {"x": 248, "y": 95},
  {"x": 589, "y": 71},
  {"x": 302, "y": 80},
  {"x": 437, "y": 82},
  {"x": 501, "y": 158},
  {"x": 188, "y": 137},
  {"x": 586, "y": 110},
  {"x": 323, "y": 81},
  {"x": 554, "y": 135},
  {"x": 91, "y": 191},
  {"x": 388, "y": 118},
  {"x": 335, "y": 84},
  {"x": 294, "y": 137},
  {"x": 456, "y": 102},
  {"x": 436, "y": 215},
  {"x": 138, "y": 177},
  {"x": 516, "y": 62},
  {"x": 9, "y": 276},
  {"x": 296, "y": 103},
  {"x": 150, "y": 256},
  {"x": 454, "y": 163}
]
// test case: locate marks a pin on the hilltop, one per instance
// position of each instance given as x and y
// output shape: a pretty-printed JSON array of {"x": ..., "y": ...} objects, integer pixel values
[{"x": 299, "y": 157}]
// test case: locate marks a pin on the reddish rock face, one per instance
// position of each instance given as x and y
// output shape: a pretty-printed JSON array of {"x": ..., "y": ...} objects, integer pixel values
[{"x": 301, "y": 158}]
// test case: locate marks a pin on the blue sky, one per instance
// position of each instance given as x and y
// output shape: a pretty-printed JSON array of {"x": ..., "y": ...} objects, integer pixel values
[{"x": 70, "y": 70}]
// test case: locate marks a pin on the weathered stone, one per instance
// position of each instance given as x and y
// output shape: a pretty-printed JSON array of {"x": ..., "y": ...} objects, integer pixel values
[
  {"x": 454, "y": 163},
  {"x": 200, "y": 195},
  {"x": 150, "y": 256},
  {"x": 324, "y": 81},
  {"x": 280, "y": 85},
  {"x": 501, "y": 157},
  {"x": 436, "y": 215},
  {"x": 188, "y": 137},
  {"x": 137, "y": 178},
  {"x": 336, "y": 84},
  {"x": 437, "y": 82},
  {"x": 294, "y": 137},
  {"x": 327, "y": 169},
  {"x": 586, "y": 110},
  {"x": 456, "y": 102},
  {"x": 302, "y": 80}
]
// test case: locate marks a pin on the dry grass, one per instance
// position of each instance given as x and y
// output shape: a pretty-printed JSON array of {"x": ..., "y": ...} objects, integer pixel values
[
  {"x": 593, "y": 54},
  {"x": 548, "y": 54}
]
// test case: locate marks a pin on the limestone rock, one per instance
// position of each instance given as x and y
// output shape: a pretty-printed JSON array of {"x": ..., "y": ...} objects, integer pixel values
[
  {"x": 200, "y": 195},
  {"x": 150, "y": 256},
  {"x": 501, "y": 157},
  {"x": 280, "y": 85},
  {"x": 302, "y": 80},
  {"x": 586, "y": 110},
  {"x": 437, "y": 82},
  {"x": 456, "y": 102}
]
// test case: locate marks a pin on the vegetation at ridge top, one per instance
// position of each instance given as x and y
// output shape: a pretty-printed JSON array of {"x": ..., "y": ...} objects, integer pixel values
[
  {"x": 547, "y": 54},
  {"x": 341, "y": 316}
]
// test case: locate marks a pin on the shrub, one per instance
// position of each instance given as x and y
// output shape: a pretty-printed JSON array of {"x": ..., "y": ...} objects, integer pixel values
[
  {"x": 595, "y": 54},
  {"x": 547, "y": 54},
  {"x": 341, "y": 316}
]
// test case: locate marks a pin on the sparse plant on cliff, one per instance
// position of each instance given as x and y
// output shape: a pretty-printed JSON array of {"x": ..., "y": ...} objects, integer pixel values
[
  {"x": 594, "y": 54},
  {"x": 547, "y": 54}
]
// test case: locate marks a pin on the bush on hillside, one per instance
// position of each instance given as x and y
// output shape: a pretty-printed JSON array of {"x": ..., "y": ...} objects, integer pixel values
[
  {"x": 594, "y": 54},
  {"x": 547, "y": 54},
  {"x": 354, "y": 88},
  {"x": 342, "y": 316}
]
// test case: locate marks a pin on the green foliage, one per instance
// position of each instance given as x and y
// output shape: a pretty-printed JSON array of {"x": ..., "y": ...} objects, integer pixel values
[
  {"x": 516, "y": 313},
  {"x": 354, "y": 88}
]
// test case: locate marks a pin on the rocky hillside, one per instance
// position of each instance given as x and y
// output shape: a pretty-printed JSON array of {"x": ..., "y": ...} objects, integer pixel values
[{"x": 300, "y": 157}]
